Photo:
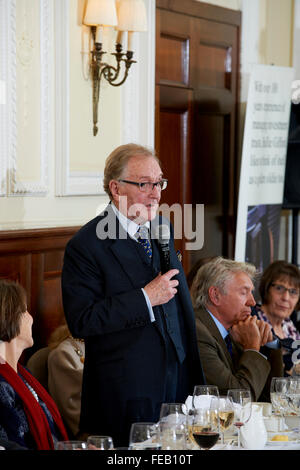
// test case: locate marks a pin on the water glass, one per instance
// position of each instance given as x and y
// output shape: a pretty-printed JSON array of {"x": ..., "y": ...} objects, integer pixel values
[
  {"x": 145, "y": 436},
  {"x": 278, "y": 394},
  {"x": 293, "y": 395},
  {"x": 71, "y": 445},
  {"x": 203, "y": 394},
  {"x": 176, "y": 410},
  {"x": 100, "y": 443},
  {"x": 173, "y": 426}
]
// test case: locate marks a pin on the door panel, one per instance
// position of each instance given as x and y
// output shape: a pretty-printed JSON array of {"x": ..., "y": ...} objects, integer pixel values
[
  {"x": 197, "y": 51},
  {"x": 174, "y": 66}
]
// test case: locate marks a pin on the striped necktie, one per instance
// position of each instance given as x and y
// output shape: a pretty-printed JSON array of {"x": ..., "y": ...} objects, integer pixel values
[{"x": 142, "y": 236}]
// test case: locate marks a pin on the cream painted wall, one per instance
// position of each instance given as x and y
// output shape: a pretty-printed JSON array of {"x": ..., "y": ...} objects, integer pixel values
[
  {"x": 263, "y": 41},
  {"x": 279, "y": 32},
  {"x": 88, "y": 153},
  {"x": 28, "y": 89}
]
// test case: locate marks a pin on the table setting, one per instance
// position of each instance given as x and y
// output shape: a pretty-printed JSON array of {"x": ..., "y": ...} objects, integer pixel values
[{"x": 210, "y": 421}]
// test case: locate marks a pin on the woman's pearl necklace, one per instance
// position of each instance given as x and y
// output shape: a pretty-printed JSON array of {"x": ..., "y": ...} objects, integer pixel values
[{"x": 31, "y": 390}]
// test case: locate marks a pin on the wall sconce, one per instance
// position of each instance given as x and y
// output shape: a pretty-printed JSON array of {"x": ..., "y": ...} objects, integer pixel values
[{"x": 126, "y": 16}]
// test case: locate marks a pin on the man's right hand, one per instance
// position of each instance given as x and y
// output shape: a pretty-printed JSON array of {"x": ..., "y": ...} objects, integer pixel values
[
  {"x": 247, "y": 333},
  {"x": 162, "y": 288}
]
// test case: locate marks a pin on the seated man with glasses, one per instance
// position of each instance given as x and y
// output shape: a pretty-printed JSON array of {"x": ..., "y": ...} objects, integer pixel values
[
  {"x": 279, "y": 290},
  {"x": 138, "y": 323}
]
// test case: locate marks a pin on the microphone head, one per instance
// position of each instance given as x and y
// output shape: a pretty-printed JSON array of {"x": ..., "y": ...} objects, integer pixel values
[{"x": 162, "y": 233}]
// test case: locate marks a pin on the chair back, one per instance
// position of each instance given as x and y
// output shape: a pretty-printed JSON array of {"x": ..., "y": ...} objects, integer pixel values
[{"x": 38, "y": 365}]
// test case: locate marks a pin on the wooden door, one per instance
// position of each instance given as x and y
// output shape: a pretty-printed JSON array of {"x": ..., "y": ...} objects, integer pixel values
[{"x": 197, "y": 68}]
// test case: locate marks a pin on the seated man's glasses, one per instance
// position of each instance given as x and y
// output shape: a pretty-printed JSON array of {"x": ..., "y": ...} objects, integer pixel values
[
  {"x": 282, "y": 290},
  {"x": 147, "y": 187}
]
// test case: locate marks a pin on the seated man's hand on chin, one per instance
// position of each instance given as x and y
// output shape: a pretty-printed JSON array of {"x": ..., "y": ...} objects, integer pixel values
[
  {"x": 247, "y": 333},
  {"x": 265, "y": 331}
]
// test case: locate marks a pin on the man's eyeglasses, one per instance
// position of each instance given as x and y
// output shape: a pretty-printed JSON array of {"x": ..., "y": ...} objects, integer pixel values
[
  {"x": 282, "y": 290},
  {"x": 147, "y": 187}
]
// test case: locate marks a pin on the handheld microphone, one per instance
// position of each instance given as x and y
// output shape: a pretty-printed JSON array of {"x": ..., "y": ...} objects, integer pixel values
[{"x": 163, "y": 237}]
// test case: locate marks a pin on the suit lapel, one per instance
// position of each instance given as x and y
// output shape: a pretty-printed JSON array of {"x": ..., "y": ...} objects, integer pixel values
[
  {"x": 206, "y": 319},
  {"x": 125, "y": 250}
]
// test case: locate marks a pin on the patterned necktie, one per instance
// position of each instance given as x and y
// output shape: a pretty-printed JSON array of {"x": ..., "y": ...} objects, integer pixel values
[
  {"x": 142, "y": 236},
  {"x": 228, "y": 344}
]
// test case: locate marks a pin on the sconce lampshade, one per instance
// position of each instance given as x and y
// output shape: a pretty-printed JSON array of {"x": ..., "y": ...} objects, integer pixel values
[
  {"x": 131, "y": 15},
  {"x": 101, "y": 12}
]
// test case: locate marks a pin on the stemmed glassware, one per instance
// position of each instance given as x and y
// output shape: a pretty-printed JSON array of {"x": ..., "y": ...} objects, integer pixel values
[
  {"x": 145, "y": 436},
  {"x": 205, "y": 425},
  {"x": 173, "y": 426},
  {"x": 100, "y": 443},
  {"x": 278, "y": 393},
  {"x": 203, "y": 394},
  {"x": 71, "y": 445},
  {"x": 293, "y": 395},
  {"x": 241, "y": 399},
  {"x": 226, "y": 414}
]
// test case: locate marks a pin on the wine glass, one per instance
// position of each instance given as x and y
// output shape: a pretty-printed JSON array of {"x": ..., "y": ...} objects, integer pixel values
[
  {"x": 170, "y": 409},
  {"x": 241, "y": 399},
  {"x": 145, "y": 436},
  {"x": 100, "y": 443},
  {"x": 278, "y": 394},
  {"x": 205, "y": 428},
  {"x": 173, "y": 426},
  {"x": 203, "y": 394},
  {"x": 226, "y": 414},
  {"x": 293, "y": 395},
  {"x": 71, "y": 445}
]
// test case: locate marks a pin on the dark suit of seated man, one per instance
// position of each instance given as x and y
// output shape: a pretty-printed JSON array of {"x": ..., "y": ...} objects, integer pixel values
[
  {"x": 236, "y": 348},
  {"x": 138, "y": 324}
]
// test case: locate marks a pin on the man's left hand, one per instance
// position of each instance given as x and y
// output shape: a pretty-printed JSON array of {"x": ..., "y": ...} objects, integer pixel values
[{"x": 265, "y": 331}]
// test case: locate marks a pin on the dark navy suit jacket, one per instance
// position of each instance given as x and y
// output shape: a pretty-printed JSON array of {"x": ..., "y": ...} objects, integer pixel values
[{"x": 125, "y": 369}]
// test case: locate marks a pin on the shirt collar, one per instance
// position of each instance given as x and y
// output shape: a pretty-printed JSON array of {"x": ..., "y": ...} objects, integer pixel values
[
  {"x": 128, "y": 225},
  {"x": 221, "y": 328}
]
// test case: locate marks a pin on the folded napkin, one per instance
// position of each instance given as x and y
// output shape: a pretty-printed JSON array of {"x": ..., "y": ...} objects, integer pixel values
[
  {"x": 174, "y": 419},
  {"x": 200, "y": 401}
]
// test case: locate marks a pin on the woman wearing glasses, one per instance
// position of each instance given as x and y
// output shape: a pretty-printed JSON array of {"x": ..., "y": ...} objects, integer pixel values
[{"x": 279, "y": 290}]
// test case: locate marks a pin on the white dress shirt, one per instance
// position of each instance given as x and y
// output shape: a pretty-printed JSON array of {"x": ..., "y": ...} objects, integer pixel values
[{"x": 131, "y": 228}]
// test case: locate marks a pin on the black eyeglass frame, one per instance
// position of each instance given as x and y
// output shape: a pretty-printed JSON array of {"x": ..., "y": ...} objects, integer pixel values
[
  {"x": 162, "y": 184},
  {"x": 293, "y": 292}
]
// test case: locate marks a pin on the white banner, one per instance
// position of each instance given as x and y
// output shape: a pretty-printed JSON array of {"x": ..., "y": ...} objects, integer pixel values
[{"x": 263, "y": 161}]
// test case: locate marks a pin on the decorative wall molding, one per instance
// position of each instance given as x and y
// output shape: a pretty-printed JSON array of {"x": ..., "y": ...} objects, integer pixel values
[
  {"x": 15, "y": 186},
  {"x": 137, "y": 94},
  {"x": 7, "y": 76},
  {"x": 67, "y": 183}
]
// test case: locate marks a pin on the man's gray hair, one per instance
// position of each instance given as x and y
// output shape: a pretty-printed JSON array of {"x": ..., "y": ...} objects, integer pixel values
[
  {"x": 216, "y": 273},
  {"x": 118, "y": 159}
]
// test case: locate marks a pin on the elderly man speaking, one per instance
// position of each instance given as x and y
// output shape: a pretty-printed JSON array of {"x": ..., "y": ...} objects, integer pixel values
[
  {"x": 136, "y": 319},
  {"x": 237, "y": 349}
]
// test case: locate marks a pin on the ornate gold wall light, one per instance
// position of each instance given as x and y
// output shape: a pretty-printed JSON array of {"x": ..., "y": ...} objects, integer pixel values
[{"x": 127, "y": 16}]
